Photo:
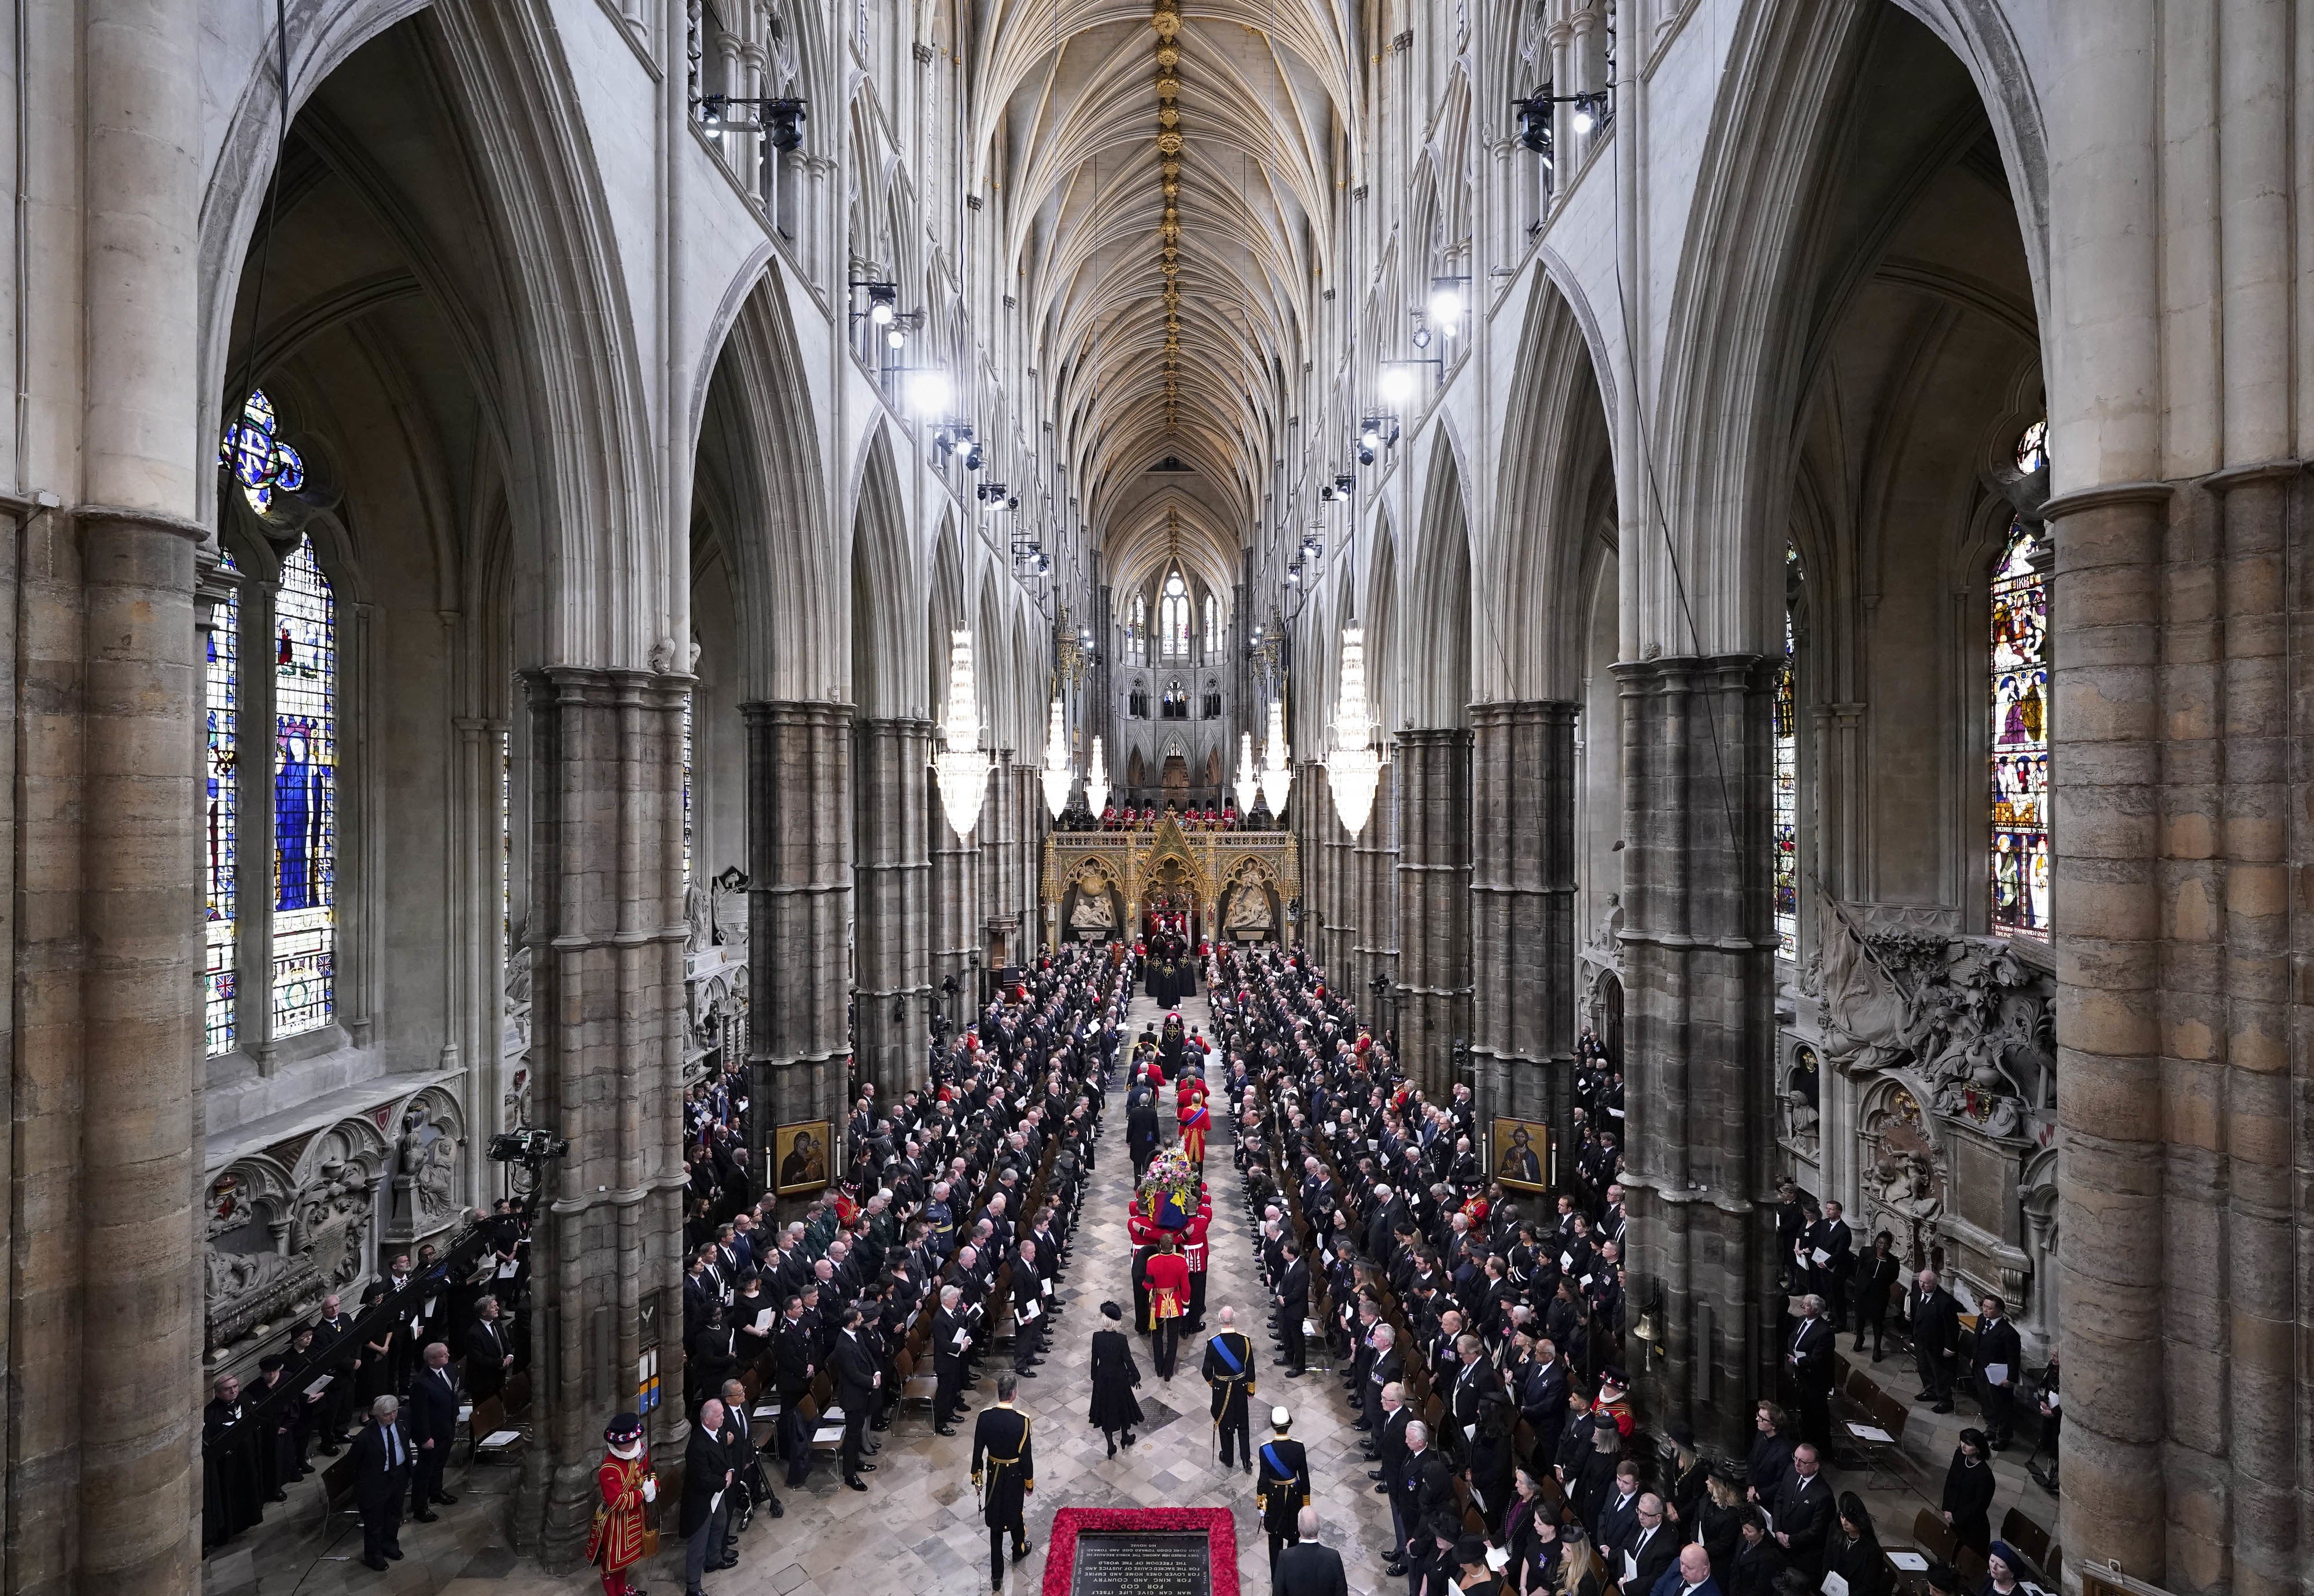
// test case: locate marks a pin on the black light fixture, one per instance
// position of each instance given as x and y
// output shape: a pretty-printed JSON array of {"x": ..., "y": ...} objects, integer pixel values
[
  {"x": 784, "y": 121},
  {"x": 1534, "y": 115},
  {"x": 1375, "y": 433},
  {"x": 989, "y": 491}
]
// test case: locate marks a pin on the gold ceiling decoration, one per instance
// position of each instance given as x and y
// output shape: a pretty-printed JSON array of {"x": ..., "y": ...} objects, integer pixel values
[
  {"x": 1167, "y": 117},
  {"x": 1171, "y": 142},
  {"x": 1168, "y": 57},
  {"x": 1167, "y": 21}
]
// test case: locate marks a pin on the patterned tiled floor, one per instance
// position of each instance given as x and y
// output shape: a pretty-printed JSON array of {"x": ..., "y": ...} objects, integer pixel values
[{"x": 918, "y": 1529}]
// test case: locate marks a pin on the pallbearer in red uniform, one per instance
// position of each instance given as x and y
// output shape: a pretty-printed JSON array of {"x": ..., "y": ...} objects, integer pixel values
[
  {"x": 1193, "y": 1253},
  {"x": 622, "y": 1520},
  {"x": 1196, "y": 1119},
  {"x": 1169, "y": 1302}
]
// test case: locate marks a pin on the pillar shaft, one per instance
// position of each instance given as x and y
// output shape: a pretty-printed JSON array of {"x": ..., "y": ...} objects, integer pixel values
[
  {"x": 1697, "y": 769},
  {"x": 893, "y": 913},
  {"x": 956, "y": 908},
  {"x": 1374, "y": 858},
  {"x": 1523, "y": 910},
  {"x": 800, "y": 912},
  {"x": 1433, "y": 902},
  {"x": 606, "y": 934}
]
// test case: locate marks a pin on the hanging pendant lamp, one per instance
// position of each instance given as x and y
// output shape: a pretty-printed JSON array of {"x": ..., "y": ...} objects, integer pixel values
[
  {"x": 1277, "y": 769},
  {"x": 1248, "y": 784},
  {"x": 1353, "y": 766},
  {"x": 1097, "y": 780},
  {"x": 962, "y": 768},
  {"x": 1056, "y": 775}
]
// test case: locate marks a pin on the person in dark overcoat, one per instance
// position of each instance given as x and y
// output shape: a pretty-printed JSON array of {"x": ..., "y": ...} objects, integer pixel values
[{"x": 1115, "y": 1407}]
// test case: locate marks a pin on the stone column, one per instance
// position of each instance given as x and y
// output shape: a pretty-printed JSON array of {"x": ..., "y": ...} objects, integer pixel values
[
  {"x": 998, "y": 866},
  {"x": 1374, "y": 853},
  {"x": 1029, "y": 818},
  {"x": 1433, "y": 902},
  {"x": 1522, "y": 910},
  {"x": 955, "y": 909},
  {"x": 892, "y": 934},
  {"x": 103, "y": 1467},
  {"x": 1698, "y": 773},
  {"x": 605, "y": 932},
  {"x": 799, "y": 914},
  {"x": 1332, "y": 917}
]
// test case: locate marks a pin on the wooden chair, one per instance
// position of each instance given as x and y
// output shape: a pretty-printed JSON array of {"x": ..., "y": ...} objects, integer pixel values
[
  {"x": 1881, "y": 1456},
  {"x": 2025, "y": 1536},
  {"x": 1933, "y": 1535},
  {"x": 490, "y": 1418},
  {"x": 1970, "y": 1565}
]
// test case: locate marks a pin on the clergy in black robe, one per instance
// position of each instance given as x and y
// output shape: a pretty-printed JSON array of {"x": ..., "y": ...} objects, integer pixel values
[{"x": 235, "y": 1478}]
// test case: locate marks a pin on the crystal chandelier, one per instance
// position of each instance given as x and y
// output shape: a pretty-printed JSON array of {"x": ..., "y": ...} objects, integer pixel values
[
  {"x": 962, "y": 767},
  {"x": 1278, "y": 771},
  {"x": 1056, "y": 775},
  {"x": 1352, "y": 767},
  {"x": 1097, "y": 778},
  {"x": 1249, "y": 785}
]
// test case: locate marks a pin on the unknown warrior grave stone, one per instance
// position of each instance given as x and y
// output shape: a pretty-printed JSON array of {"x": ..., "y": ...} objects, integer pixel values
[{"x": 1142, "y": 1563}]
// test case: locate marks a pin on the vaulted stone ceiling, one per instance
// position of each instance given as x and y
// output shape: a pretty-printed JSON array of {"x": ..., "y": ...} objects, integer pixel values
[{"x": 1174, "y": 172}]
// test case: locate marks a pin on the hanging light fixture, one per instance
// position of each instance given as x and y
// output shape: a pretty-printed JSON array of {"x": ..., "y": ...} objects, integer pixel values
[
  {"x": 1276, "y": 771},
  {"x": 1056, "y": 775},
  {"x": 1248, "y": 784},
  {"x": 1353, "y": 766},
  {"x": 962, "y": 767},
  {"x": 1097, "y": 778}
]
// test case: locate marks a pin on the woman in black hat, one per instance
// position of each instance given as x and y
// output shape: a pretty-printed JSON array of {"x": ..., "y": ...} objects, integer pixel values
[
  {"x": 1114, "y": 1375},
  {"x": 1968, "y": 1503},
  {"x": 1853, "y": 1551}
]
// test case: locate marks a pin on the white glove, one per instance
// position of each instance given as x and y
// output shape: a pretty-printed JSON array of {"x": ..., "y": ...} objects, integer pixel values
[{"x": 651, "y": 1489}]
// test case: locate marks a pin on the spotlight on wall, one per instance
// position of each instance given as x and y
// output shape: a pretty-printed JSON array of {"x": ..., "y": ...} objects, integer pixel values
[
  {"x": 784, "y": 121},
  {"x": 928, "y": 392},
  {"x": 1446, "y": 304}
]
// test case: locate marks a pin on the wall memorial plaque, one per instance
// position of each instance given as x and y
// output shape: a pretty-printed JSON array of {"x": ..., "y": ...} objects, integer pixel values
[{"x": 1142, "y": 1563}]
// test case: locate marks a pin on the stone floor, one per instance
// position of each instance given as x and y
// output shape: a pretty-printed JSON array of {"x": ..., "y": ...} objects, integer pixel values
[{"x": 918, "y": 1529}]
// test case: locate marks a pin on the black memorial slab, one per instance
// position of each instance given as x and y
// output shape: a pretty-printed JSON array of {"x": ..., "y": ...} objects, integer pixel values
[{"x": 1142, "y": 1563}]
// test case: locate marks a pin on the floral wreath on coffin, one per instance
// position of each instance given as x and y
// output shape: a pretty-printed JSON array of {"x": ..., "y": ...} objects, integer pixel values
[{"x": 1168, "y": 1194}]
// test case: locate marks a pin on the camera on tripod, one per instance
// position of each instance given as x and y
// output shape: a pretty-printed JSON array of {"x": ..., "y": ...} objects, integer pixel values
[{"x": 523, "y": 1145}]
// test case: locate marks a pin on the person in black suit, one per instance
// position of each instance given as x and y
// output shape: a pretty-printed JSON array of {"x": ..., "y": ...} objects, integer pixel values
[
  {"x": 1808, "y": 1358},
  {"x": 1141, "y": 1132},
  {"x": 1875, "y": 1287},
  {"x": 490, "y": 1353},
  {"x": 1305, "y": 1568},
  {"x": 1935, "y": 1319},
  {"x": 1003, "y": 1474},
  {"x": 382, "y": 1455},
  {"x": 1649, "y": 1547},
  {"x": 433, "y": 1426},
  {"x": 749, "y": 1483},
  {"x": 859, "y": 1375},
  {"x": 707, "y": 1476},
  {"x": 1293, "y": 1296},
  {"x": 1803, "y": 1513},
  {"x": 1999, "y": 1352},
  {"x": 952, "y": 1352}
]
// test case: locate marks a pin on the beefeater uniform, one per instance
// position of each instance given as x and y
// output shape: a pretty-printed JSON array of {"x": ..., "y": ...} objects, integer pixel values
[{"x": 621, "y": 1519}]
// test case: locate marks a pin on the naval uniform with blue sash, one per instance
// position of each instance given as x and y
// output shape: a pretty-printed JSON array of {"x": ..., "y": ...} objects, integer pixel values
[
  {"x": 1282, "y": 1490},
  {"x": 1229, "y": 1370}
]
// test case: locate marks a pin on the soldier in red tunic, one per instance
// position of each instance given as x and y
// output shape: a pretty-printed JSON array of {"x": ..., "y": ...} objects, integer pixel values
[
  {"x": 621, "y": 1521},
  {"x": 1169, "y": 1302},
  {"x": 1193, "y": 1254},
  {"x": 1195, "y": 1117}
]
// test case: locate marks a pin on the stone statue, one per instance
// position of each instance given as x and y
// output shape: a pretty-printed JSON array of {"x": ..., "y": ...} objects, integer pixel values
[
  {"x": 1250, "y": 910},
  {"x": 1800, "y": 1122},
  {"x": 1610, "y": 924},
  {"x": 1094, "y": 912},
  {"x": 699, "y": 914},
  {"x": 429, "y": 1162}
]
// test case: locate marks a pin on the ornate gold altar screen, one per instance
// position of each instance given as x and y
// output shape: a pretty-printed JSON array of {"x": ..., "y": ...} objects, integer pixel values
[{"x": 1233, "y": 887}]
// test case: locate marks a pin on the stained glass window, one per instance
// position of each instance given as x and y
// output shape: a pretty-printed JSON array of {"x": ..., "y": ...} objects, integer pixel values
[
  {"x": 2019, "y": 845},
  {"x": 222, "y": 691},
  {"x": 1173, "y": 616},
  {"x": 259, "y": 460},
  {"x": 304, "y": 797},
  {"x": 1213, "y": 625},
  {"x": 2033, "y": 448},
  {"x": 1788, "y": 776},
  {"x": 1136, "y": 631}
]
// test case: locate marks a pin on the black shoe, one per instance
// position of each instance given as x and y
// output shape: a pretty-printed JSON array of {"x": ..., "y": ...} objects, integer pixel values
[
  {"x": 376, "y": 1562},
  {"x": 394, "y": 1553},
  {"x": 867, "y": 1468},
  {"x": 1248, "y": 1465},
  {"x": 857, "y": 1483},
  {"x": 880, "y": 1424},
  {"x": 1924, "y": 1396},
  {"x": 1374, "y": 1474},
  {"x": 1942, "y": 1407},
  {"x": 1382, "y": 1490},
  {"x": 284, "y": 1497},
  {"x": 1295, "y": 1373},
  {"x": 1024, "y": 1374},
  {"x": 1112, "y": 1447},
  {"x": 327, "y": 1451},
  {"x": 943, "y": 1429},
  {"x": 423, "y": 1518},
  {"x": 1128, "y": 1438},
  {"x": 774, "y": 1509},
  {"x": 444, "y": 1497},
  {"x": 1023, "y": 1549},
  {"x": 1394, "y": 1570}
]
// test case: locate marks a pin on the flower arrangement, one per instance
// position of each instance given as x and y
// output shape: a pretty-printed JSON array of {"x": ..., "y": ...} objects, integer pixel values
[{"x": 1168, "y": 1194}]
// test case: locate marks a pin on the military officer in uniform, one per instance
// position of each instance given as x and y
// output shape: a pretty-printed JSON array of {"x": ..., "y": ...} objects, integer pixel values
[
  {"x": 1003, "y": 1471},
  {"x": 1229, "y": 1369},
  {"x": 1282, "y": 1490}
]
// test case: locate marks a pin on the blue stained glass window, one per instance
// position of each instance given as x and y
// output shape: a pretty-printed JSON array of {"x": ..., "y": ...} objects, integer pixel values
[
  {"x": 2019, "y": 844},
  {"x": 1787, "y": 777},
  {"x": 1173, "y": 613},
  {"x": 687, "y": 793},
  {"x": 252, "y": 450},
  {"x": 304, "y": 797},
  {"x": 223, "y": 692}
]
